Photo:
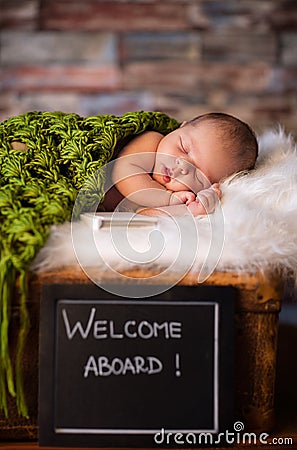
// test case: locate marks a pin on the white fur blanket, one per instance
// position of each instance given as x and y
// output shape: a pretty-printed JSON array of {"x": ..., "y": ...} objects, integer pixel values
[{"x": 254, "y": 228}]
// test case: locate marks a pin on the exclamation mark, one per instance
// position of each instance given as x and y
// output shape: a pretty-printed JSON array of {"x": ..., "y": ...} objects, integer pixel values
[{"x": 177, "y": 365}]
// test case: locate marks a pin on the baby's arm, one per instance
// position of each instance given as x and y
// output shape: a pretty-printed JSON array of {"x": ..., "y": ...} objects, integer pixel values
[
  {"x": 200, "y": 206},
  {"x": 131, "y": 174}
]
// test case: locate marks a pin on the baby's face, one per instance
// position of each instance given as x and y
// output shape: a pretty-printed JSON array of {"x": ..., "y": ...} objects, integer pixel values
[{"x": 191, "y": 158}]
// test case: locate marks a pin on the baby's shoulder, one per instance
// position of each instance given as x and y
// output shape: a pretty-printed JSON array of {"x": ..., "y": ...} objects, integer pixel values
[
  {"x": 153, "y": 136},
  {"x": 145, "y": 142}
]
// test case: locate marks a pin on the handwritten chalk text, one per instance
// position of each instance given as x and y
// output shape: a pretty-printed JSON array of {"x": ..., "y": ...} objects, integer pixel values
[
  {"x": 104, "y": 367},
  {"x": 131, "y": 329}
]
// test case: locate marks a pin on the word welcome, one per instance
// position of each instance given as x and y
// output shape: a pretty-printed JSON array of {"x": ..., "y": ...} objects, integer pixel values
[{"x": 132, "y": 329}]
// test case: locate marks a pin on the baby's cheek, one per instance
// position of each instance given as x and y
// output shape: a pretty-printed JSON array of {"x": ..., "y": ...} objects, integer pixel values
[{"x": 201, "y": 180}]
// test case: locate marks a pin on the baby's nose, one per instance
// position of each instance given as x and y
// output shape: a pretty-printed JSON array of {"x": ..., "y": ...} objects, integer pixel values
[{"x": 182, "y": 166}]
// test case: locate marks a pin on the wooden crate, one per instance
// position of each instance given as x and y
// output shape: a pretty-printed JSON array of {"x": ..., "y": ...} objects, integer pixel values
[{"x": 256, "y": 324}]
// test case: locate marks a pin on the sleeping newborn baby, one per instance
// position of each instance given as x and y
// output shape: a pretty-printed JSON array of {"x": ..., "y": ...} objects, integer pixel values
[{"x": 186, "y": 166}]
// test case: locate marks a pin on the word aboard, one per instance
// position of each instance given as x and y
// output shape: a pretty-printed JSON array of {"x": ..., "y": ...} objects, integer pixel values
[{"x": 115, "y": 371}]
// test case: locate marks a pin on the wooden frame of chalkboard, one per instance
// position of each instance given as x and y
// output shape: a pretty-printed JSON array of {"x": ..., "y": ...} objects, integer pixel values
[{"x": 122, "y": 372}]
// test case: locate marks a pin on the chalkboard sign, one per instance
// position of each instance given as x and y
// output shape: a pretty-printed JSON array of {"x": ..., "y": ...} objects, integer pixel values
[{"x": 120, "y": 372}]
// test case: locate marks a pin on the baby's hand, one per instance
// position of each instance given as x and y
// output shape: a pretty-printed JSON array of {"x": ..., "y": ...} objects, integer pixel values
[
  {"x": 206, "y": 200},
  {"x": 179, "y": 197}
]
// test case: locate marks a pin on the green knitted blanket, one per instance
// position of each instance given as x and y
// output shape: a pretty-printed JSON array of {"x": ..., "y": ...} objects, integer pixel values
[{"x": 38, "y": 187}]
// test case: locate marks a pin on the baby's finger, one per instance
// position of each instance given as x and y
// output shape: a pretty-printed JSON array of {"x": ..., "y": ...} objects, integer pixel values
[
  {"x": 190, "y": 200},
  {"x": 216, "y": 187}
]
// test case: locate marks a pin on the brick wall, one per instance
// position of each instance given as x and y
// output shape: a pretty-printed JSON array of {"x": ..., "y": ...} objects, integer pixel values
[{"x": 183, "y": 57}]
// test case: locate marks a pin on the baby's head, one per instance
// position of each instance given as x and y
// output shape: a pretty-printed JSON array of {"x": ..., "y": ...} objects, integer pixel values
[
  {"x": 238, "y": 140},
  {"x": 203, "y": 151}
]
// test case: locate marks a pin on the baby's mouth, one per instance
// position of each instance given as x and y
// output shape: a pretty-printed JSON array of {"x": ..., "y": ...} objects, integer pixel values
[{"x": 166, "y": 174}]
